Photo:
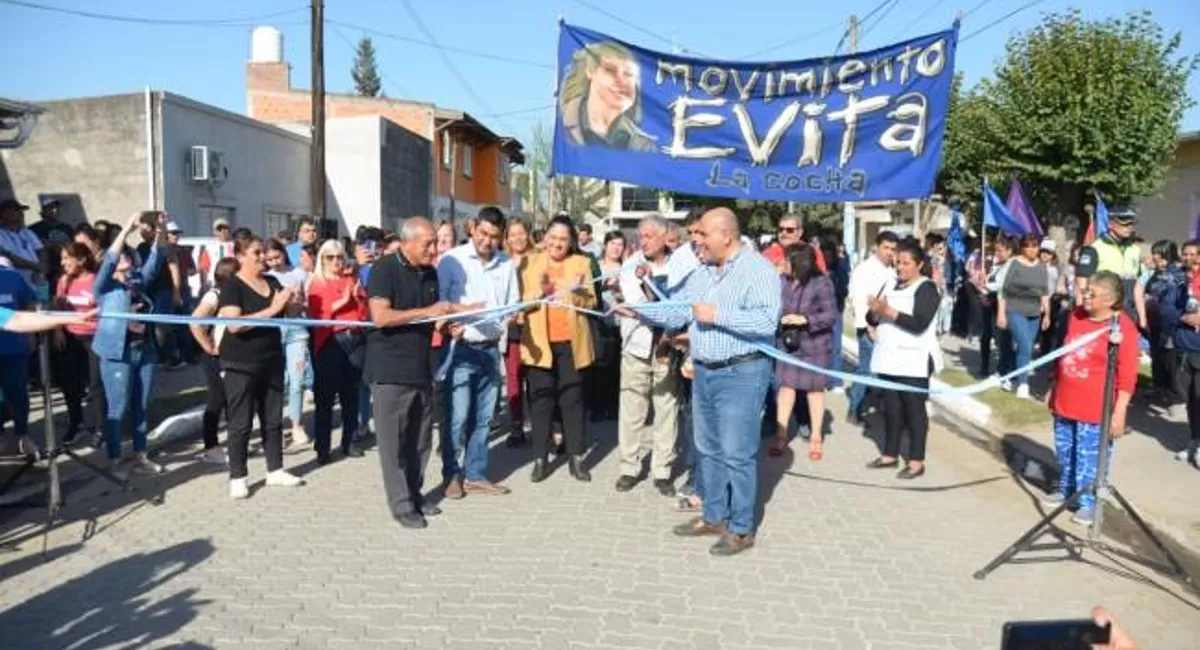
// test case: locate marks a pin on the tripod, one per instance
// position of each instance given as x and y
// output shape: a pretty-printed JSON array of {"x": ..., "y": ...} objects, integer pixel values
[
  {"x": 54, "y": 497},
  {"x": 1099, "y": 489}
]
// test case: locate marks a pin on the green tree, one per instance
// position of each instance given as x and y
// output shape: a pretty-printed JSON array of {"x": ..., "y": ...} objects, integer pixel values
[
  {"x": 1078, "y": 105},
  {"x": 365, "y": 72},
  {"x": 970, "y": 149}
]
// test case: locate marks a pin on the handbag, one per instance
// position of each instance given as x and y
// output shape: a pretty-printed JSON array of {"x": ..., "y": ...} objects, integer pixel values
[
  {"x": 354, "y": 344},
  {"x": 790, "y": 337}
]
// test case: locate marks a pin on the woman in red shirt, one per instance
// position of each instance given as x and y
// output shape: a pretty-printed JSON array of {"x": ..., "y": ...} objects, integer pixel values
[
  {"x": 78, "y": 367},
  {"x": 338, "y": 352},
  {"x": 1078, "y": 392}
]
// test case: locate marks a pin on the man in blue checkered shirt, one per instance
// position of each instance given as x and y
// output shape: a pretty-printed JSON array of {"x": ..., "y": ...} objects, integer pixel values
[{"x": 735, "y": 300}]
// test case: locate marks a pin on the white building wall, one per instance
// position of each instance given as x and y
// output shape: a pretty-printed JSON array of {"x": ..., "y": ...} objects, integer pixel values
[
  {"x": 267, "y": 168},
  {"x": 352, "y": 169},
  {"x": 1172, "y": 214}
]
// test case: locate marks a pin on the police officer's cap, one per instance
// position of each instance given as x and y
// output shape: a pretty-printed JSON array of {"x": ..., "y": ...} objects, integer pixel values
[{"x": 1124, "y": 214}]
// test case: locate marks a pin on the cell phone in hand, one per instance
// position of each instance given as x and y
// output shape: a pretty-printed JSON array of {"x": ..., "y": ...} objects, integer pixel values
[{"x": 1073, "y": 634}]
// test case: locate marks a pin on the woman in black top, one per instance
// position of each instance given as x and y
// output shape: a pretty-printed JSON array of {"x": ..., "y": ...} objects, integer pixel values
[{"x": 252, "y": 363}]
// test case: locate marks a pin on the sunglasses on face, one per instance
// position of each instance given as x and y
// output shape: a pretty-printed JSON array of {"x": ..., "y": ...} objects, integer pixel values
[
  {"x": 787, "y": 230},
  {"x": 331, "y": 257}
]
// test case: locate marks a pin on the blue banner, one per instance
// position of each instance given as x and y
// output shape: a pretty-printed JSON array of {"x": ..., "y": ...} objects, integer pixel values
[{"x": 867, "y": 126}]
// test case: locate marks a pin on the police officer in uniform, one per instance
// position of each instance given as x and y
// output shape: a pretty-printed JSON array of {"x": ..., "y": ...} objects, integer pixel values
[{"x": 1116, "y": 251}]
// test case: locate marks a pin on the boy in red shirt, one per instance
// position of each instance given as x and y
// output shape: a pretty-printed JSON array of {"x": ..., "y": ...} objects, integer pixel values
[{"x": 1078, "y": 393}]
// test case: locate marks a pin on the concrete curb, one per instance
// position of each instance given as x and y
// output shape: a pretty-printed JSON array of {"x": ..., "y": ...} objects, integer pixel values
[{"x": 970, "y": 419}]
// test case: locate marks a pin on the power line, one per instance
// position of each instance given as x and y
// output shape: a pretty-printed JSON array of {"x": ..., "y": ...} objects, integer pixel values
[
  {"x": 791, "y": 41},
  {"x": 846, "y": 34},
  {"x": 1001, "y": 19},
  {"x": 637, "y": 27},
  {"x": 244, "y": 21},
  {"x": 923, "y": 13},
  {"x": 488, "y": 56},
  {"x": 450, "y": 65},
  {"x": 867, "y": 30}
]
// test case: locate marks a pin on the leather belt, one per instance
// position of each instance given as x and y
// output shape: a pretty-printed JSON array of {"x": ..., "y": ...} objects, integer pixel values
[
  {"x": 731, "y": 361},
  {"x": 481, "y": 345}
]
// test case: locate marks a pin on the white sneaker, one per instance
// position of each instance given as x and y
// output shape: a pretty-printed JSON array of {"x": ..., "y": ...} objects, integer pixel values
[
  {"x": 142, "y": 461},
  {"x": 1177, "y": 412},
  {"x": 214, "y": 456},
  {"x": 837, "y": 390},
  {"x": 238, "y": 488},
  {"x": 282, "y": 478},
  {"x": 1006, "y": 385},
  {"x": 1023, "y": 391}
]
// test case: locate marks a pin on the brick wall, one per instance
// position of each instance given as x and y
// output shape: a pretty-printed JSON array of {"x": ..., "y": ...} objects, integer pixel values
[{"x": 296, "y": 107}]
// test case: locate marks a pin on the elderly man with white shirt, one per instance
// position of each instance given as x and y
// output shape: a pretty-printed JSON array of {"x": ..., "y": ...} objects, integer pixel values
[
  {"x": 648, "y": 382},
  {"x": 868, "y": 280},
  {"x": 475, "y": 273}
]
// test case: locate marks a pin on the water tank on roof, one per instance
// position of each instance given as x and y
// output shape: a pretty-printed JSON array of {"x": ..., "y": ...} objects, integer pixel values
[{"x": 266, "y": 45}]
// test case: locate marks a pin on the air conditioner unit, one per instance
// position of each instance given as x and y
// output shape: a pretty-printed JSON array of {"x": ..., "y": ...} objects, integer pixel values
[{"x": 200, "y": 165}]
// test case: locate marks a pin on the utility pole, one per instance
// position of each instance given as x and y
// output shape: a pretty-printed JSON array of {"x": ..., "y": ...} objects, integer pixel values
[
  {"x": 317, "y": 180},
  {"x": 849, "y": 219}
]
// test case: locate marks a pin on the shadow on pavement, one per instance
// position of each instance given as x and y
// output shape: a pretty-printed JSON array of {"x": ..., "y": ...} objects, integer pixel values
[
  {"x": 111, "y": 606},
  {"x": 1034, "y": 466},
  {"x": 89, "y": 499}
]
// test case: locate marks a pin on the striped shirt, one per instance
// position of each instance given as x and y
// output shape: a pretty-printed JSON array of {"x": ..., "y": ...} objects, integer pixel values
[{"x": 746, "y": 294}]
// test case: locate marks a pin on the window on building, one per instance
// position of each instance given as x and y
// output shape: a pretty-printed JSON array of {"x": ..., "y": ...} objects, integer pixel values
[
  {"x": 447, "y": 149},
  {"x": 502, "y": 173},
  {"x": 206, "y": 215},
  {"x": 639, "y": 199},
  {"x": 468, "y": 160},
  {"x": 278, "y": 222},
  {"x": 683, "y": 203}
]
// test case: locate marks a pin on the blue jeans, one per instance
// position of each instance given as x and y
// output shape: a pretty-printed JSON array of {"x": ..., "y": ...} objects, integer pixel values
[
  {"x": 1077, "y": 448},
  {"x": 298, "y": 369},
  {"x": 836, "y": 359},
  {"x": 128, "y": 384},
  {"x": 726, "y": 409},
  {"x": 364, "y": 409},
  {"x": 858, "y": 392},
  {"x": 14, "y": 389},
  {"x": 472, "y": 385},
  {"x": 1024, "y": 333}
]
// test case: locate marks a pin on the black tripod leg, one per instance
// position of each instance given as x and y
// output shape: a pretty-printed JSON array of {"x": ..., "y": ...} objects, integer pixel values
[
  {"x": 1146, "y": 530},
  {"x": 1024, "y": 540},
  {"x": 112, "y": 478}
]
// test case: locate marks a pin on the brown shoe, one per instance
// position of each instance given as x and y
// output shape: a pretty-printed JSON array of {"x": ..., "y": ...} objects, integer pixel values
[
  {"x": 697, "y": 527},
  {"x": 484, "y": 487},
  {"x": 732, "y": 544},
  {"x": 454, "y": 489}
]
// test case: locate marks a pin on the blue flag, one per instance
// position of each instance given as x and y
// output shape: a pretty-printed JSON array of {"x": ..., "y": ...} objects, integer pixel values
[
  {"x": 996, "y": 214},
  {"x": 854, "y": 127}
]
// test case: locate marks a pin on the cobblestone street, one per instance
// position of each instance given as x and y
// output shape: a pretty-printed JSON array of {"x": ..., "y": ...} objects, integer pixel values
[{"x": 846, "y": 558}]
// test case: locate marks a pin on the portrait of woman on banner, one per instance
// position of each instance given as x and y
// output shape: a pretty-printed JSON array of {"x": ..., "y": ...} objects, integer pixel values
[{"x": 599, "y": 99}]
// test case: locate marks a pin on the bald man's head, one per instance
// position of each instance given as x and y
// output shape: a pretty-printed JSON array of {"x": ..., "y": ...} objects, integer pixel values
[
  {"x": 719, "y": 235},
  {"x": 418, "y": 243},
  {"x": 723, "y": 219}
]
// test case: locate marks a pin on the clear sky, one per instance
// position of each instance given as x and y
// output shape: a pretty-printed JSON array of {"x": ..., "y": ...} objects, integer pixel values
[{"x": 51, "y": 55}]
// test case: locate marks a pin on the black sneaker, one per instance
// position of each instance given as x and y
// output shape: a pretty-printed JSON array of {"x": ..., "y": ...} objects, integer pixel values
[
  {"x": 626, "y": 483},
  {"x": 665, "y": 487}
]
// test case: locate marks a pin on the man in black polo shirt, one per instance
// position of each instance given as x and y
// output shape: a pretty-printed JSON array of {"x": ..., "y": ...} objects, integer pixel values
[{"x": 404, "y": 288}]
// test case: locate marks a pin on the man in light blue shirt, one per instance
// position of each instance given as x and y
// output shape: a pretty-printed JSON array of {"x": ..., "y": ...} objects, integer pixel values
[
  {"x": 306, "y": 233},
  {"x": 735, "y": 300},
  {"x": 477, "y": 272}
]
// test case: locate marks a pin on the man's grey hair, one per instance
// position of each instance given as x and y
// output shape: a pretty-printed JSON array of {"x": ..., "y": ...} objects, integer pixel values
[
  {"x": 673, "y": 228},
  {"x": 413, "y": 226},
  {"x": 654, "y": 219}
]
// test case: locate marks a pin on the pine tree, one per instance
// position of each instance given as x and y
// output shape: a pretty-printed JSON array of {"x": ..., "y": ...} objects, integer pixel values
[{"x": 365, "y": 73}]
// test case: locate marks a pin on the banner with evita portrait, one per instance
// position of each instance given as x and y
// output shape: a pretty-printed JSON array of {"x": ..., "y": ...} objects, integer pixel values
[{"x": 865, "y": 126}]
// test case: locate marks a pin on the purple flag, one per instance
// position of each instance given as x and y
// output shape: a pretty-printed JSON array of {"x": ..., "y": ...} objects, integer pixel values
[{"x": 1018, "y": 205}]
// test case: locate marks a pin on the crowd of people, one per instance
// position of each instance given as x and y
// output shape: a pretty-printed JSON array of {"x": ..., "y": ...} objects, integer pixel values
[{"x": 533, "y": 333}]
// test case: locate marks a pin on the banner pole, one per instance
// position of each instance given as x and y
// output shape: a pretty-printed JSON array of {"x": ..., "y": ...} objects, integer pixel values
[{"x": 849, "y": 219}]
